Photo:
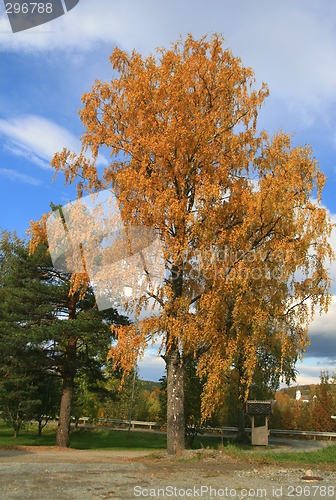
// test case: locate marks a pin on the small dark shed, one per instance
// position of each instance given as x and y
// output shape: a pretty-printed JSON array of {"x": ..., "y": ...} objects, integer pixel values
[
  {"x": 259, "y": 434},
  {"x": 259, "y": 408}
]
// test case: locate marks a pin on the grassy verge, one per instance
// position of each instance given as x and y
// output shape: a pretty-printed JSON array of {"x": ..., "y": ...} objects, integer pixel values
[
  {"x": 84, "y": 439},
  {"x": 324, "y": 456},
  {"x": 102, "y": 439},
  {"x": 96, "y": 439}
]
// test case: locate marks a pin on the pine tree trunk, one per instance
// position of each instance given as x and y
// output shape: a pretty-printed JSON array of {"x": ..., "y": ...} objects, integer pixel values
[
  {"x": 175, "y": 402},
  {"x": 63, "y": 430},
  {"x": 68, "y": 376}
]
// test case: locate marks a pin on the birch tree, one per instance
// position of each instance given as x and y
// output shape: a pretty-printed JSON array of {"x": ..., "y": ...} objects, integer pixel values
[{"x": 244, "y": 245}]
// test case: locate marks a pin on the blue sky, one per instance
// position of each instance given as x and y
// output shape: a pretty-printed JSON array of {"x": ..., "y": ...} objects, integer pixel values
[{"x": 45, "y": 70}]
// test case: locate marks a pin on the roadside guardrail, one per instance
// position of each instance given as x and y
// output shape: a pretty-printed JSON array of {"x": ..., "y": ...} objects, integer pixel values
[
  {"x": 314, "y": 434},
  {"x": 226, "y": 430},
  {"x": 133, "y": 422}
]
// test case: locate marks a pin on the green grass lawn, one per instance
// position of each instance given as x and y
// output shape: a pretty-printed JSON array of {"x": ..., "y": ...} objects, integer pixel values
[
  {"x": 27, "y": 436},
  {"x": 96, "y": 439},
  {"x": 324, "y": 456},
  {"x": 84, "y": 439},
  {"x": 102, "y": 439}
]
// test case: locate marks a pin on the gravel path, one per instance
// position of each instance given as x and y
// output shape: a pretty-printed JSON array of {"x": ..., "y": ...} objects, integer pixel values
[{"x": 56, "y": 474}]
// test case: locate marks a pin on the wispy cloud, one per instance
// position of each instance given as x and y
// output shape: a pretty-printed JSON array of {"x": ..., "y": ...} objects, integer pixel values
[
  {"x": 290, "y": 45},
  {"x": 331, "y": 361},
  {"x": 35, "y": 138},
  {"x": 25, "y": 153},
  {"x": 310, "y": 370},
  {"x": 17, "y": 176}
]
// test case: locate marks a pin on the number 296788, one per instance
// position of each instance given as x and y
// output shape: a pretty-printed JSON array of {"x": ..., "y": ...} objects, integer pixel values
[{"x": 29, "y": 8}]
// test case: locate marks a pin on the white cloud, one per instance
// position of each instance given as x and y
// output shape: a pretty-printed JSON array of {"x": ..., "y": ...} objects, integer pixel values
[
  {"x": 151, "y": 367},
  {"x": 101, "y": 161},
  {"x": 304, "y": 380},
  {"x": 310, "y": 370},
  {"x": 36, "y": 138},
  {"x": 17, "y": 176},
  {"x": 290, "y": 45},
  {"x": 293, "y": 47},
  {"x": 24, "y": 152},
  {"x": 324, "y": 323}
]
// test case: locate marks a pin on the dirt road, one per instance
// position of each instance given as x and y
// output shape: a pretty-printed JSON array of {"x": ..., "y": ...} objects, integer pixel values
[{"x": 56, "y": 474}]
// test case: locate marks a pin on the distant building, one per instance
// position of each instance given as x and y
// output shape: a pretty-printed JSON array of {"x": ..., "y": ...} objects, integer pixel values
[{"x": 302, "y": 397}]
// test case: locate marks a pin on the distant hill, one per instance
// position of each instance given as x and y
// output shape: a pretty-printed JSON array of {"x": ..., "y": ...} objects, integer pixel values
[
  {"x": 149, "y": 385},
  {"x": 309, "y": 390}
]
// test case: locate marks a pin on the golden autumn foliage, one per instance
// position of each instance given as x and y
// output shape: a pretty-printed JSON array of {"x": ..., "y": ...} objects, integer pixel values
[{"x": 244, "y": 243}]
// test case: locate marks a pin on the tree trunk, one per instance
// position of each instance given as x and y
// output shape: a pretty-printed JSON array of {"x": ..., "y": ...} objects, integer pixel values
[
  {"x": 18, "y": 424},
  {"x": 241, "y": 436},
  {"x": 68, "y": 376},
  {"x": 63, "y": 430},
  {"x": 175, "y": 402}
]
